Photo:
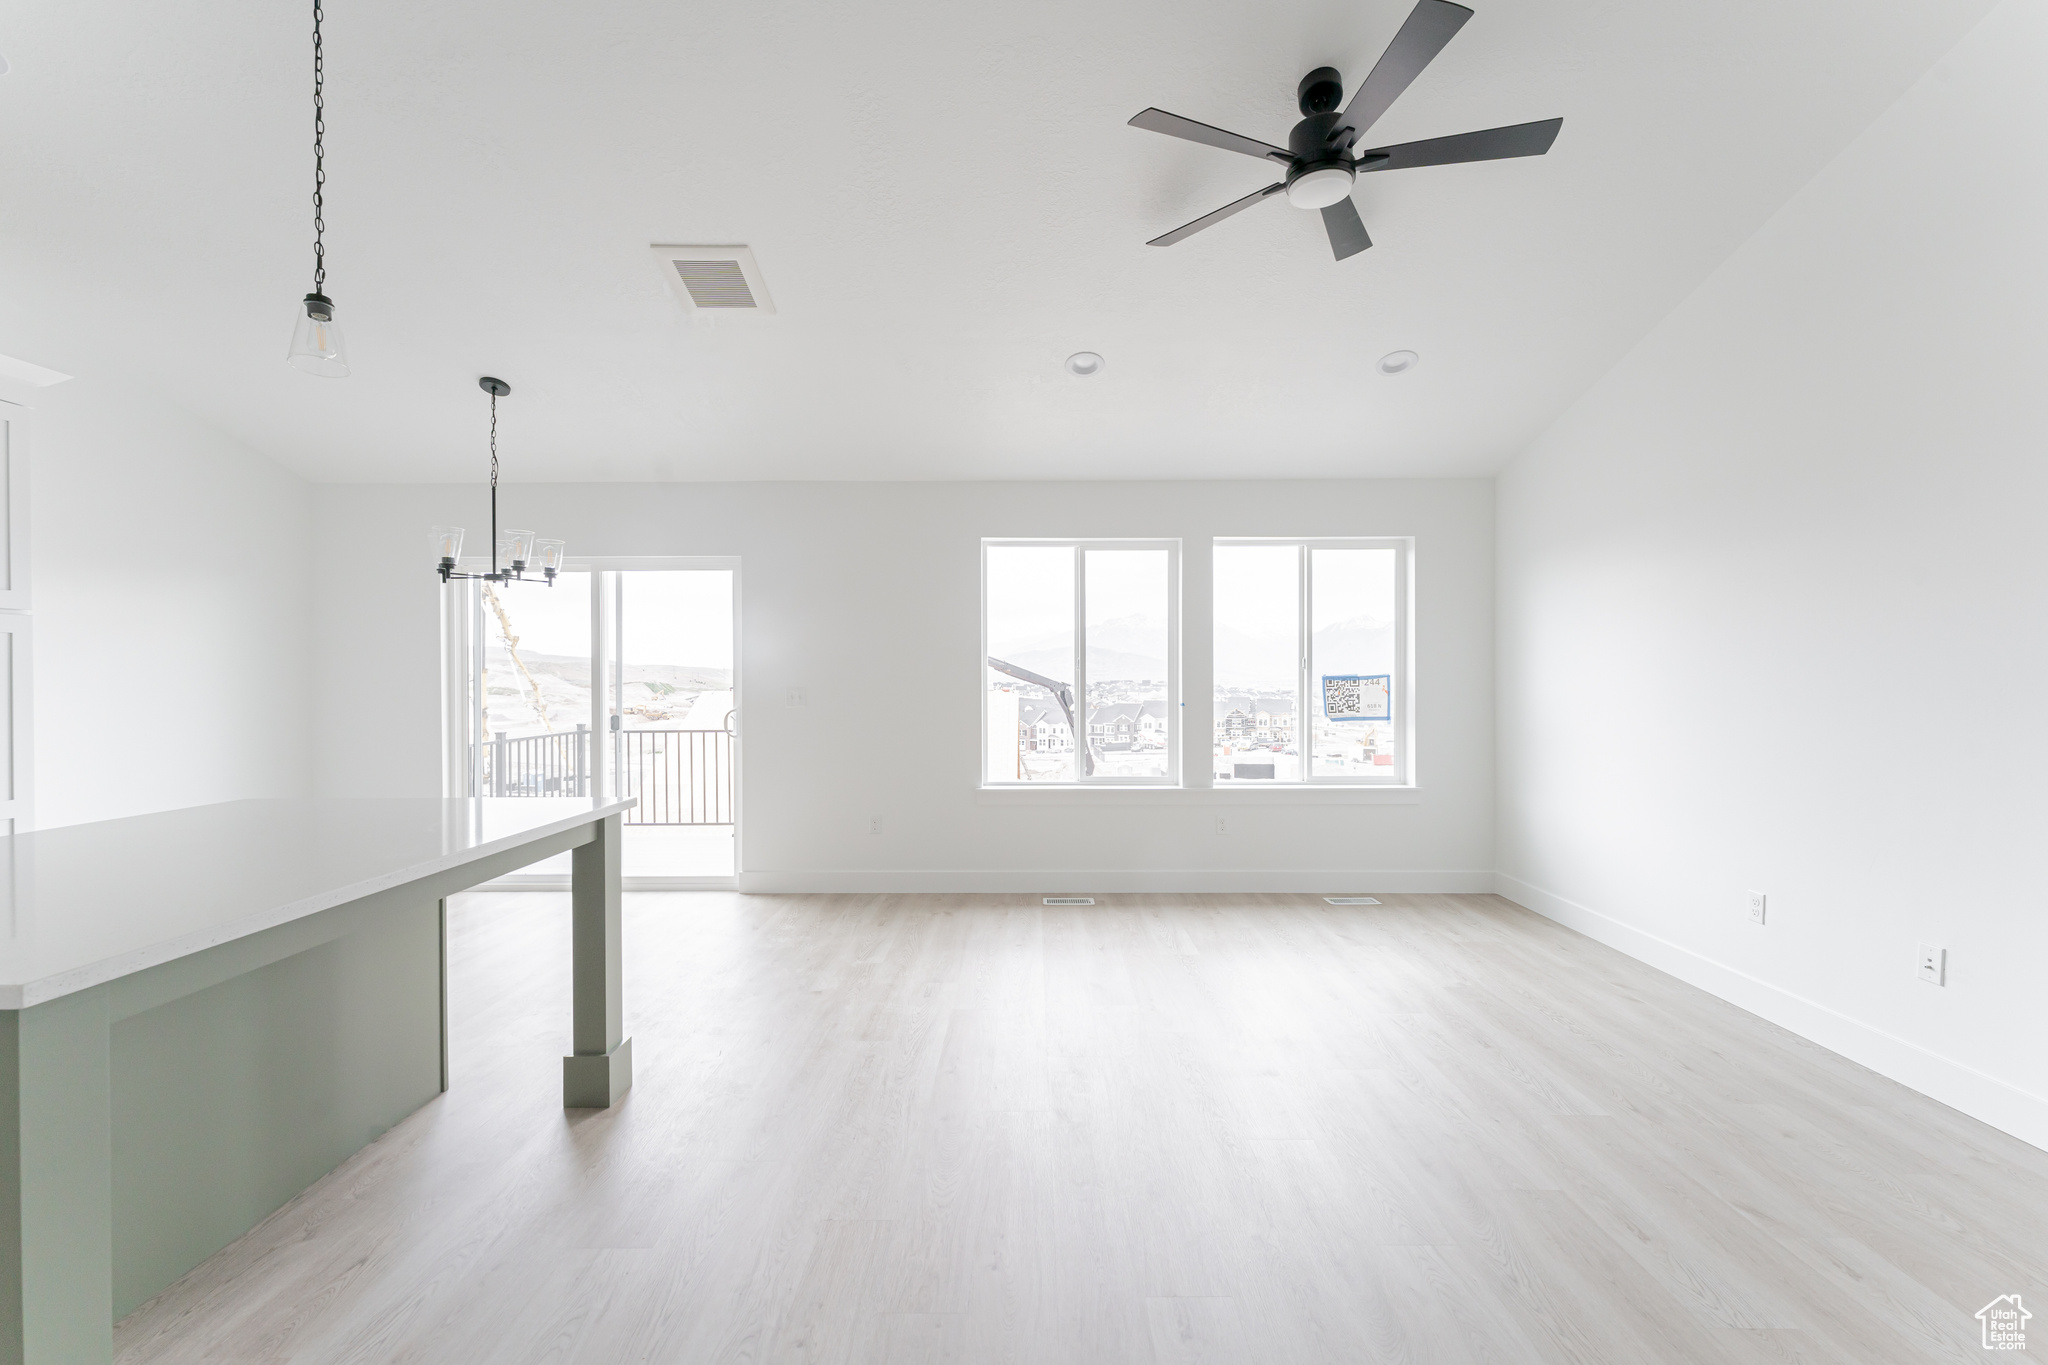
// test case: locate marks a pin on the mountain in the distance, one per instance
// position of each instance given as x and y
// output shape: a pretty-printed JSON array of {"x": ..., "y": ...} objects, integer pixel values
[
  {"x": 1247, "y": 660},
  {"x": 1363, "y": 644},
  {"x": 1058, "y": 664},
  {"x": 575, "y": 669},
  {"x": 1123, "y": 647}
]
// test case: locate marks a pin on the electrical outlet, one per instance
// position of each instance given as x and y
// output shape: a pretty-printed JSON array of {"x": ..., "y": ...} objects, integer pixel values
[
  {"x": 874, "y": 824},
  {"x": 795, "y": 697},
  {"x": 1756, "y": 907},
  {"x": 1933, "y": 964},
  {"x": 1222, "y": 825}
]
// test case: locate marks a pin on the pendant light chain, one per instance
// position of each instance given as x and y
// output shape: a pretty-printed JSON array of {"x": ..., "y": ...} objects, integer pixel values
[
  {"x": 319, "y": 155},
  {"x": 316, "y": 346}
]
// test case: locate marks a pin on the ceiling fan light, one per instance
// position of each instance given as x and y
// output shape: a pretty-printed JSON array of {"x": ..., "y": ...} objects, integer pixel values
[{"x": 1319, "y": 188}]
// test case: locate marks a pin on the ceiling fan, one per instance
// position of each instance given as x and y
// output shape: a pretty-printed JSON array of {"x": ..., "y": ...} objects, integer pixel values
[{"x": 1320, "y": 163}]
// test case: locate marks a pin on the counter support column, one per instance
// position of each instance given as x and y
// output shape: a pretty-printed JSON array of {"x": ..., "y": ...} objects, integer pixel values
[
  {"x": 601, "y": 1069},
  {"x": 56, "y": 1183}
]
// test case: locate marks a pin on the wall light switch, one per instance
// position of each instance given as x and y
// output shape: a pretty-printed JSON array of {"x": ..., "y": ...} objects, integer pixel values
[
  {"x": 1933, "y": 964},
  {"x": 794, "y": 697},
  {"x": 1756, "y": 907}
]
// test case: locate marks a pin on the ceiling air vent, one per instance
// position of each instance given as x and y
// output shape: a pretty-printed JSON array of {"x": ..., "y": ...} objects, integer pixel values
[
  {"x": 723, "y": 279},
  {"x": 1351, "y": 900},
  {"x": 1070, "y": 900}
]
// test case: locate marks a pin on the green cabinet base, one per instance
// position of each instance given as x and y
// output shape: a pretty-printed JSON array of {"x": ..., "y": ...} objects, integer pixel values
[{"x": 231, "y": 1100}]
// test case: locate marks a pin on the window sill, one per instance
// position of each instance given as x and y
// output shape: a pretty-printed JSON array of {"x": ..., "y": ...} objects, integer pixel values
[{"x": 1290, "y": 795}]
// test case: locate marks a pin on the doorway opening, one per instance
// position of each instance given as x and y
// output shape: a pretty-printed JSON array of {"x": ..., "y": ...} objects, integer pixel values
[{"x": 616, "y": 681}]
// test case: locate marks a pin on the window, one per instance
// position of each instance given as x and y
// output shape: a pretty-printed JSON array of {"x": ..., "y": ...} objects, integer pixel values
[
  {"x": 1311, "y": 662},
  {"x": 1081, "y": 680}
]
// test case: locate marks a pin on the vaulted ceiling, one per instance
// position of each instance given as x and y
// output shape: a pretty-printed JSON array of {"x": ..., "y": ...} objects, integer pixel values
[{"x": 945, "y": 202}]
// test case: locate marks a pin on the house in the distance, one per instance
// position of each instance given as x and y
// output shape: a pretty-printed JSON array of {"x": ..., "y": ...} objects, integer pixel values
[
  {"x": 1042, "y": 728},
  {"x": 1127, "y": 725},
  {"x": 1273, "y": 719},
  {"x": 1234, "y": 719}
]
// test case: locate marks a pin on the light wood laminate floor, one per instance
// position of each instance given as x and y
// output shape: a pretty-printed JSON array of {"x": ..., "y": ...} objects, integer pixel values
[{"x": 1162, "y": 1129}]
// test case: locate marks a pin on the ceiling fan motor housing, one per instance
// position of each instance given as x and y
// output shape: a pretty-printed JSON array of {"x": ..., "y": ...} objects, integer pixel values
[
  {"x": 1322, "y": 170},
  {"x": 1312, "y": 138}
]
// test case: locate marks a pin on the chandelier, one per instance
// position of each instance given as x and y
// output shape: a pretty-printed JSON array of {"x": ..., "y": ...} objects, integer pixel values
[{"x": 518, "y": 550}]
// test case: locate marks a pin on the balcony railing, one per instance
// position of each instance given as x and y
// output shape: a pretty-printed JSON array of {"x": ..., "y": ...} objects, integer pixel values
[
  {"x": 682, "y": 777},
  {"x": 536, "y": 765}
]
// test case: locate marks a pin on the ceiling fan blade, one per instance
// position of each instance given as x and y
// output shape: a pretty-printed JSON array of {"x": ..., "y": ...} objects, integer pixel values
[
  {"x": 1430, "y": 25},
  {"x": 1491, "y": 144},
  {"x": 1173, "y": 125},
  {"x": 1346, "y": 228},
  {"x": 1186, "y": 230}
]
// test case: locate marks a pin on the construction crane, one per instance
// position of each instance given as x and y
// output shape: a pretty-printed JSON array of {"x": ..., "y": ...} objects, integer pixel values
[{"x": 1063, "y": 693}]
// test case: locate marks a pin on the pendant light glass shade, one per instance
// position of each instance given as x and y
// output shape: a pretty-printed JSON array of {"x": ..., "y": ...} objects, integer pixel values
[
  {"x": 316, "y": 340},
  {"x": 448, "y": 543},
  {"x": 550, "y": 554},
  {"x": 517, "y": 548}
]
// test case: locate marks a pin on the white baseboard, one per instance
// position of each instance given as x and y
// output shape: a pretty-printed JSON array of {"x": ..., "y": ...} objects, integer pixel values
[
  {"x": 1057, "y": 882},
  {"x": 2004, "y": 1106},
  {"x": 1031, "y": 881}
]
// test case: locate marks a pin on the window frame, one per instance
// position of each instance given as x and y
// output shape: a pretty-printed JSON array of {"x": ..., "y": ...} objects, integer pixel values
[
  {"x": 1401, "y": 721},
  {"x": 1174, "y": 730}
]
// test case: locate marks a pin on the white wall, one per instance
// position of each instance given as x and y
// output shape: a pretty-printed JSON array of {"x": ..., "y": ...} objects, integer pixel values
[
  {"x": 867, "y": 594},
  {"x": 171, "y": 606},
  {"x": 1772, "y": 597}
]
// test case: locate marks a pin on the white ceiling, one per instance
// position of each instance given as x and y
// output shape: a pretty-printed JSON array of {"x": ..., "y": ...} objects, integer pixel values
[{"x": 944, "y": 200}]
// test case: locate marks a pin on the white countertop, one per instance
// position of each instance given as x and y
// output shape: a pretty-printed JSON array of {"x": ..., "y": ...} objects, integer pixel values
[{"x": 86, "y": 904}]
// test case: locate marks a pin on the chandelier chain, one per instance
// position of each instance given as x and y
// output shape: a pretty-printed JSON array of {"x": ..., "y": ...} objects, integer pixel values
[{"x": 319, "y": 155}]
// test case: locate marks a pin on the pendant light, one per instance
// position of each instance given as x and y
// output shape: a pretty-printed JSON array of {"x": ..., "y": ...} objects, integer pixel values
[
  {"x": 316, "y": 337},
  {"x": 520, "y": 550}
]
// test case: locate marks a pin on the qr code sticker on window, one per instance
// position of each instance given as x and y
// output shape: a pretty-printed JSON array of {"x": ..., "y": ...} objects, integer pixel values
[{"x": 1355, "y": 696}]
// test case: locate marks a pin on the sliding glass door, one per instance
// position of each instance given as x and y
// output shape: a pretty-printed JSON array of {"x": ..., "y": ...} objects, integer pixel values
[
  {"x": 670, "y": 718},
  {"x": 614, "y": 680}
]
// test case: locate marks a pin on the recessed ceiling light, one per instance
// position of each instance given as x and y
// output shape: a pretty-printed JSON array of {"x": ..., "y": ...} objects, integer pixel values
[
  {"x": 1084, "y": 363},
  {"x": 1399, "y": 362}
]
